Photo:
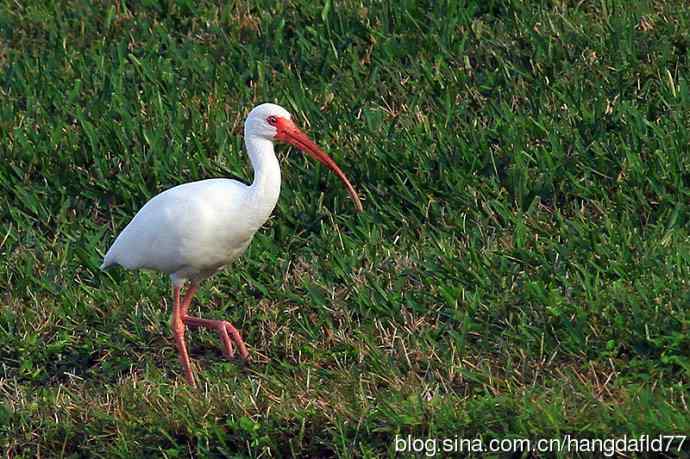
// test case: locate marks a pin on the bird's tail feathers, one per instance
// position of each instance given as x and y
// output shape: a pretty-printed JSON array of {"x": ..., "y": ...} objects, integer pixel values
[{"x": 107, "y": 263}]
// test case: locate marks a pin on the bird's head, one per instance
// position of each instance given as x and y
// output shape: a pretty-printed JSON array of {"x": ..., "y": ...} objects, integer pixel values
[
  {"x": 274, "y": 123},
  {"x": 263, "y": 121}
]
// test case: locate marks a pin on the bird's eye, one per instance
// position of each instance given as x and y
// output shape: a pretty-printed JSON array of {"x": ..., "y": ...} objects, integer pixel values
[{"x": 272, "y": 120}]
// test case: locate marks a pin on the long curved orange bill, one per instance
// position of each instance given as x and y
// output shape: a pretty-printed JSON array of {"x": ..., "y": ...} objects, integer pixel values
[{"x": 288, "y": 132}]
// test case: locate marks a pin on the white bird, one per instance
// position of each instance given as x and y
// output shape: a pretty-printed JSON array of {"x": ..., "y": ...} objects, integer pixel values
[{"x": 193, "y": 230}]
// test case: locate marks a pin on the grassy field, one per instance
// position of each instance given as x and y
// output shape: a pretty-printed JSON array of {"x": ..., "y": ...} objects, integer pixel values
[{"x": 522, "y": 267}]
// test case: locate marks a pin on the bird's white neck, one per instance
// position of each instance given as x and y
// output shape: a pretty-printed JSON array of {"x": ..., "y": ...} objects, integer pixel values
[{"x": 265, "y": 189}]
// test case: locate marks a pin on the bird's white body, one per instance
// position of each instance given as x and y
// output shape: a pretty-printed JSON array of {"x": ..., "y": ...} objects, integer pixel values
[
  {"x": 185, "y": 231},
  {"x": 192, "y": 230}
]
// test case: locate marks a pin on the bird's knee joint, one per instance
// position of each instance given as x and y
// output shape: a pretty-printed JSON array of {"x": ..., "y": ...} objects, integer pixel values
[{"x": 177, "y": 327}]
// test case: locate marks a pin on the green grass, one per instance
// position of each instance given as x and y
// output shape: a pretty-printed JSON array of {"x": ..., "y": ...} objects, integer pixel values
[{"x": 521, "y": 269}]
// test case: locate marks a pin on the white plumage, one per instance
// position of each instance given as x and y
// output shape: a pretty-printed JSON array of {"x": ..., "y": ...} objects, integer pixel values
[
  {"x": 184, "y": 231},
  {"x": 193, "y": 230}
]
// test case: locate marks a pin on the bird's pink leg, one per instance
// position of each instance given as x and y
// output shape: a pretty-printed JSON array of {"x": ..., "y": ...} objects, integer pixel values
[
  {"x": 178, "y": 326},
  {"x": 224, "y": 328}
]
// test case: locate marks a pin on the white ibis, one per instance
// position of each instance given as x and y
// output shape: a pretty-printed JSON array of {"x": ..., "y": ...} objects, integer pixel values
[{"x": 193, "y": 230}]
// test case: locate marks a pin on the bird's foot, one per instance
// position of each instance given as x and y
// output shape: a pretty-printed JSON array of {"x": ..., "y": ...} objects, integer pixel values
[
  {"x": 226, "y": 332},
  {"x": 184, "y": 357}
]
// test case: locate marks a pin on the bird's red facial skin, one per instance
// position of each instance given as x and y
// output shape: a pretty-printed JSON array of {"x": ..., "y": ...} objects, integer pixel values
[
  {"x": 282, "y": 125},
  {"x": 288, "y": 132}
]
